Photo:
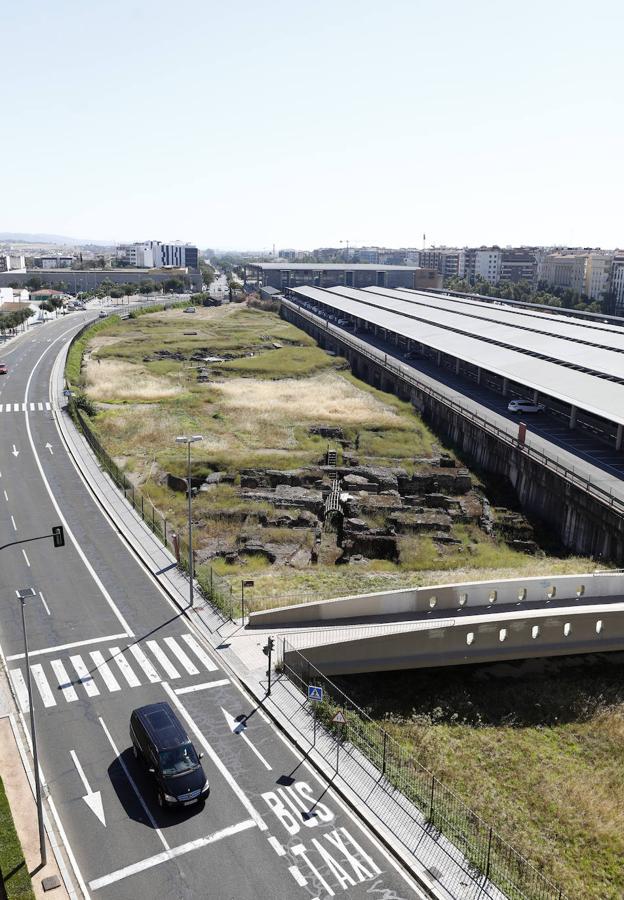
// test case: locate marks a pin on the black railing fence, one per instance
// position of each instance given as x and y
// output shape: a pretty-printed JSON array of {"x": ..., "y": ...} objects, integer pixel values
[{"x": 484, "y": 856}]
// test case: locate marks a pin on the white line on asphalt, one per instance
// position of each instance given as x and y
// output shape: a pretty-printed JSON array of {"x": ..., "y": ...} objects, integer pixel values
[
  {"x": 253, "y": 812},
  {"x": 59, "y": 647},
  {"x": 64, "y": 680},
  {"x": 301, "y": 880},
  {"x": 26, "y": 558},
  {"x": 104, "y": 669},
  {"x": 273, "y": 841},
  {"x": 199, "y": 652},
  {"x": 47, "y": 608},
  {"x": 159, "y": 858},
  {"x": 39, "y": 406},
  {"x": 69, "y": 851},
  {"x": 13, "y": 524},
  {"x": 6, "y": 497},
  {"x": 32, "y": 407},
  {"x": 57, "y": 508},
  {"x": 20, "y": 688},
  {"x": 124, "y": 667},
  {"x": 181, "y": 655},
  {"x": 42, "y": 683},
  {"x": 202, "y": 687},
  {"x": 151, "y": 818},
  {"x": 238, "y": 727},
  {"x": 169, "y": 668},
  {"x": 144, "y": 662},
  {"x": 86, "y": 679}
]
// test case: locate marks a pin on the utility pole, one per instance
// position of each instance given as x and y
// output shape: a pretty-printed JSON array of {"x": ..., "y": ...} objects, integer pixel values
[{"x": 189, "y": 439}]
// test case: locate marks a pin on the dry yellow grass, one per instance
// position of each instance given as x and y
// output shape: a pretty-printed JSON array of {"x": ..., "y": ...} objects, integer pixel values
[
  {"x": 327, "y": 397},
  {"x": 110, "y": 379}
]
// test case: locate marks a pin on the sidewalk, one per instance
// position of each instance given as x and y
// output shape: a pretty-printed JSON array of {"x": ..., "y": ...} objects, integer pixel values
[
  {"x": 439, "y": 866},
  {"x": 24, "y": 811}
]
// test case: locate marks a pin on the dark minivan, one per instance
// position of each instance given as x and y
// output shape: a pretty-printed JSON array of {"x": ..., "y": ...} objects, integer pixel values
[{"x": 160, "y": 740}]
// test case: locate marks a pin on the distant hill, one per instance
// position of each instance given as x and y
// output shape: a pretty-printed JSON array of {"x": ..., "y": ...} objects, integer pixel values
[{"x": 26, "y": 238}]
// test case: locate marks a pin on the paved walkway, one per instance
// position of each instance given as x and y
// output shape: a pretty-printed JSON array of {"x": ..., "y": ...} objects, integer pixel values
[{"x": 437, "y": 864}]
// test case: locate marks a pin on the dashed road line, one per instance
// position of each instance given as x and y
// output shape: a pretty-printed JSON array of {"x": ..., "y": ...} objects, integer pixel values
[{"x": 202, "y": 687}]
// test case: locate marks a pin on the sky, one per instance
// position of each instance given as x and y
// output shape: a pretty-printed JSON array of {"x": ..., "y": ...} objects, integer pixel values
[{"x": 246, "y": 124}]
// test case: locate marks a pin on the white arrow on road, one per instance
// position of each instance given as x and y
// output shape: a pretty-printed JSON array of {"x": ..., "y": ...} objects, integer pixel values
[
  {"x": 93, "y": 799},
  {"x": 48, "y": 446},
  {"x": 14, "y": 451},
  {"x": 239, "y": 728}
]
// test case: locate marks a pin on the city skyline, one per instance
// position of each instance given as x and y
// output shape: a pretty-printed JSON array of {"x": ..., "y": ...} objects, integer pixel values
[{"x": 307, "y": 126}]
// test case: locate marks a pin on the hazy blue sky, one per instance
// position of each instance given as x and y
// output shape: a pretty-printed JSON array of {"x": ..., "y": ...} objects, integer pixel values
[{"x": 243, "y": 124}]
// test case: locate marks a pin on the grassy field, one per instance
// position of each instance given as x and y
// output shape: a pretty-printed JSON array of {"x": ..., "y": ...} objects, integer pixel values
[
  {"x": 13, "y": 868},
  {"x": 535, "y": 747}
]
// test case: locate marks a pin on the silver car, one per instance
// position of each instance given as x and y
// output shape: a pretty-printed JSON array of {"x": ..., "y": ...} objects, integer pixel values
[{"x": 526, "y": 406}]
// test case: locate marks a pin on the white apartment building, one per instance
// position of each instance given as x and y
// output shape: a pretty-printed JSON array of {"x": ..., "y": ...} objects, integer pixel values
[
  {"x": 139, "y": 256},
  {"x": 487, "y": 264},
  {"x": 617, "y": 282},
  {"x": 53, "y": 262},
  {"x": 158, "y": 255},
  {"x": 10, "y": 262}
]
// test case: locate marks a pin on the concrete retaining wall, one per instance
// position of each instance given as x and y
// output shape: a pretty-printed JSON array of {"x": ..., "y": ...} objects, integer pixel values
[{"x": 445, "y": 597}]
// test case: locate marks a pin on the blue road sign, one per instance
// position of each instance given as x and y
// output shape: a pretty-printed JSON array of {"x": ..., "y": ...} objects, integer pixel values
[{"x": 315, "y": 693}]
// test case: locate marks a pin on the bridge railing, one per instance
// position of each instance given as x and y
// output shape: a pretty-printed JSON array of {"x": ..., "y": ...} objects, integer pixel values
[{"x": 380, "y": 358}]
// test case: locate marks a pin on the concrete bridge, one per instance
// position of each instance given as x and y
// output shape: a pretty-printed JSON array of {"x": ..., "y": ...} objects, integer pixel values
[{"x": 443, "y": 625}]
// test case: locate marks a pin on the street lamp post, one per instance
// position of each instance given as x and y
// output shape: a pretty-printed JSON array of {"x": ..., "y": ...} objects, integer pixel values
[
  {"x": 189, "y": 439},
  {"x": 23, "y": 595}
]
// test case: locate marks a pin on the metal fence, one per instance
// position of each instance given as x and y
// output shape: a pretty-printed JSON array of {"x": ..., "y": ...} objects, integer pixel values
[{"x": 485, "y": 857}]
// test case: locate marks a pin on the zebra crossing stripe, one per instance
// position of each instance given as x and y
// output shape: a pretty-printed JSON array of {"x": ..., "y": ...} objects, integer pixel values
[
  {"x": 48, "y": 406},
  {"x": 39, "y": 406},
  {"x": 104, "y": 669},
  {"x": 20, "y": 688},
  {"x": 42, "y": 683},
  {"x": 16, "y": 407},
  {"x": 0, "y": 407},
  {"x": 164, "y": 661},
  {"x": 23, "y": 407},
  {"x": 124, "y": 667},
  {"x": 181, "y": 655},
  {"x": 64, "y": 680},
  {"x": 83, "y": 673},
  {"x": 201, "y": 655},
  {"x": 144, "y": 662},
  {"x": 32, "y": 407}
]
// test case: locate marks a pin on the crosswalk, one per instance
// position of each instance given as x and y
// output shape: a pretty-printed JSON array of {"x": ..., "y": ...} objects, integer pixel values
[
  {"x": 32, "y": 406},
  {"x": 97, "y": 672}
]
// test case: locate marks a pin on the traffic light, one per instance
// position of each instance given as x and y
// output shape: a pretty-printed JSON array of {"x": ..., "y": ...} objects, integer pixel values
[
  {"x": 270, "y": 644},
  {"x": 58, "y": 535}
]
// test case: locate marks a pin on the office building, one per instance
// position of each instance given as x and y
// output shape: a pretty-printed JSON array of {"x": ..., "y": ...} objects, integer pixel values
[
  {"x": 10, "y": 262},
  {"x": 359, "y": 275},
  {"x": 158, "y": 255},
  {"x": 447, "y": 261},
  {"x": 53, "y": 262},
  {"x": 617, "y": 282},
  {"x": 518, "y": 264}
]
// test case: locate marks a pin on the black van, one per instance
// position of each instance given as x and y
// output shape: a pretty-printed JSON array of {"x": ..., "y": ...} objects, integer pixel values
[{"x": 159, "y": 739}]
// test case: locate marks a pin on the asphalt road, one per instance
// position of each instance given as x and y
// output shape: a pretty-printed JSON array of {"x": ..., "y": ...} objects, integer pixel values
[{"x": 104, "y": 639}]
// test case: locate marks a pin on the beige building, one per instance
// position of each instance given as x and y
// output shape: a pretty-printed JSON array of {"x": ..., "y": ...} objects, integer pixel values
[
  {"x": 597, "y": 275},
  {"x": 564, "y": 270},
  {"x": 617, "y": 282}
]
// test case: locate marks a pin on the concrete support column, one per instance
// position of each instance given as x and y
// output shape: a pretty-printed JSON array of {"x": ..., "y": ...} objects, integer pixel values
[
  {"x": 572, "y": 422},
  {"x": 478, "y": 375},
  {"x": 439, "y": 357},
  {"x": 457, "y": 366},
  {"x": 535, "y": 396},
  {"x": 619, "y": 436},
  {"x": 505, "y": 382}
]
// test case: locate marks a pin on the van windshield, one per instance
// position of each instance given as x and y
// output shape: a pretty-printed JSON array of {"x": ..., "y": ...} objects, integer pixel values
[{"x": 178, "y": 760}]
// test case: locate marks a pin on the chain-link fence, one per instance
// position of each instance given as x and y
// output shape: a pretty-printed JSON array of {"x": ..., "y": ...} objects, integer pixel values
[{"x": 485, "y": 856}]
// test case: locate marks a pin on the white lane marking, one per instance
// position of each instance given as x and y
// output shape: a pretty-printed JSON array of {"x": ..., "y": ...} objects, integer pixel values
[
  {"x": 167, "y": 855},
  {"x": 299, "y": 878},
  {"x": 93, "y": 799},
  {"x": 32, "y": 407},
  {"x": 86, "y": 679},
  {"x": 43, "y": 600},
  {"x": 151, "y": 818},
  {"x": 64, "y": 680},
  {"x": 239, "y": 728},
  {"x": 253, "y": 812},
  {"x": 6, "y": 496},
  {"x": 144, "y": 662},
  {"x": 42, "y": 683},
  {"x": 13, "y": 524},
  {"x": 169, "y": 668},
  {"x": 39, "y": 406},
  {"x": 0, "y": 407},
  {"x": 20, "y": 688},
  {"x": 124, "y": 666},
  {"x": 181, "y": 655},
  {"x": 59, "y": 647},
  {"x": 47, "y": 406},
  {"x": 15, "y": 452},
  {"x": 23, "y": 407},
  {"x": 16, "y": 407},
  {"x": 202, "y": 687},
  {"x": 273, "y": 841},
  {"x": 104, "y": 669},
  {"x": 57, "y": 508},
  {"x": 199, "y": 652}
]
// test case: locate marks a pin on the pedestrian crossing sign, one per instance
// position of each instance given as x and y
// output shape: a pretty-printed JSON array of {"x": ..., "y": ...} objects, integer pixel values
[{"x": 315, "y": 693}]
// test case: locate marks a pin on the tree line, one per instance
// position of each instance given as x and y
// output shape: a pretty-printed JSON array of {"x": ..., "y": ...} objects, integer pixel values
[{"x": 522, "y": 290}]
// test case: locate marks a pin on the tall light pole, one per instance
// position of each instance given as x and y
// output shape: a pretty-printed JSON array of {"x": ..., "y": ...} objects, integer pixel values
[
  {"x": 189, "y": 439},
  {"x": 23, "y": 595}
]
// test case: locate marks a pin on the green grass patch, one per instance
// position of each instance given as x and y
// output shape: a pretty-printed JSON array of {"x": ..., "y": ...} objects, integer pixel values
[
  {"x": 286, "y": 362},
  {"x": 15, "y": 877},
  {"x": 73, "y": 364}
]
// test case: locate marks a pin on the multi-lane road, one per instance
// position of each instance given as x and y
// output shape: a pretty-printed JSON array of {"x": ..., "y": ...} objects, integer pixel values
[{"x": 104, "y": 639}]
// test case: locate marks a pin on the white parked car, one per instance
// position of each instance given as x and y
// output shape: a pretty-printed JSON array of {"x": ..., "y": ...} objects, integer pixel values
[{"x": 526, "y": 406}]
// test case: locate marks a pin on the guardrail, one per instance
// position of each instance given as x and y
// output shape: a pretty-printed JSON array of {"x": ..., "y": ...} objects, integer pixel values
[
  {"x": 485, "y": 858},
  {"x": 381, "y": 359}
]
